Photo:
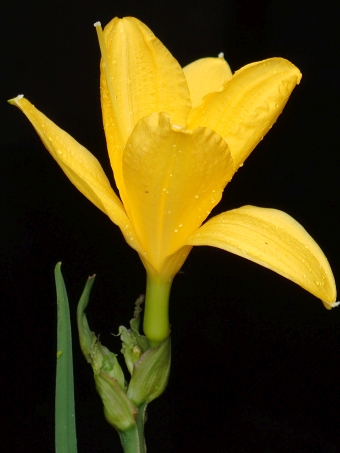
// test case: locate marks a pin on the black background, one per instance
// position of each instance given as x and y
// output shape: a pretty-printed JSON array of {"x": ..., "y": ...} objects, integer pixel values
[{"x": 255, "y": 357}]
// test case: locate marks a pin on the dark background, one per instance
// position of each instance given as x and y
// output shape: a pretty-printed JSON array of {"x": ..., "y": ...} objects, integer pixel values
[{"x": 255, "y": 357}]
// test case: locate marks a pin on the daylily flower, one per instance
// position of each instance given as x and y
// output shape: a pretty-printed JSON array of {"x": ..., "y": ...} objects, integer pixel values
[{"x": 175, "y": 138}]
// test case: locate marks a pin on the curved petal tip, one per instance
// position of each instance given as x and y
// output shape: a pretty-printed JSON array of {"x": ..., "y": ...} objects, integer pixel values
[
  {"x": 15, "y": 100},
  {"x": 330, "y": 305}
]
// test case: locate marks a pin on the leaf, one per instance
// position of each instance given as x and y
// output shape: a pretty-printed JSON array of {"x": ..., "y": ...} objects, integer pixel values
[{"x": 65, "y": 428}]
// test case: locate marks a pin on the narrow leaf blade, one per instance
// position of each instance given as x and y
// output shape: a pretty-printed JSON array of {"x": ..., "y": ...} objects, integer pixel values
[{"x": 65, "y": 428}]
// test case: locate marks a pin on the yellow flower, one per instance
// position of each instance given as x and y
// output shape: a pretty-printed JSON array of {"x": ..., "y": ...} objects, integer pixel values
[{"x": 175, "y": 138}]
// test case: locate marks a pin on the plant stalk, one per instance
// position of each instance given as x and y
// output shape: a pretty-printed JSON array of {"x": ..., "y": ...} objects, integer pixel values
[{"x": 133, "y": 439}]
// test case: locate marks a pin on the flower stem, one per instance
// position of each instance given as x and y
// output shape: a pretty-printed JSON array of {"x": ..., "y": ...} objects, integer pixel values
[
  {"x": 133, "y": 439},
  {"x": 156, "y": 316}
]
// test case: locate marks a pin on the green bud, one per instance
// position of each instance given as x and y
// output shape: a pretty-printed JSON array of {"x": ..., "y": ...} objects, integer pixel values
[
  {"x": 119, "y": 410},
  {"x": 105, "y": 361},
  {"x": 150, "y": 374}
]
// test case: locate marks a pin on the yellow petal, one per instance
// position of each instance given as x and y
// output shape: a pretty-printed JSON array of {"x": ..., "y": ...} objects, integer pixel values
[
  {"x": 79, "y": 165},
  {"x": 145, "y": 78},
  {"x": 173, "y": 180},
  {"x": 275, "y": 240},
  {"x": 244, "y": 111},
  {"x": 171, "y": 264},
  {"x": 205, "y": 76}
]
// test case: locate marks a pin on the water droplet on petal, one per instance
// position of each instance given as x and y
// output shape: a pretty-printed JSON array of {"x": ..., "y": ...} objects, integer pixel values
[
  {"x": 196, "y": 196},
  {"x": 180, "y": 225},
  {"x": 176, "y": 231}
]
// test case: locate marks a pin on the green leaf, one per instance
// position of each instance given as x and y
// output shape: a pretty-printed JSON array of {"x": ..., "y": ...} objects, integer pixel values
[{"x": 65, "y": 427}]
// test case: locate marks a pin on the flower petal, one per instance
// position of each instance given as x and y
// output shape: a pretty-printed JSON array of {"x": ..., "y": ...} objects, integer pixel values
[
  {"x": 244, "y": 111},
  {"x": 145, "y": 78},
  {"x": 80, "y": 166},
  {"x": 275, "y": 240},
  {"x": 205, "y": 76},
  {"x": 173, "y": 180}
]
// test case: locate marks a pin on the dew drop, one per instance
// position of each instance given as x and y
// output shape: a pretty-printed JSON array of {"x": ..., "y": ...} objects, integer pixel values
[
  {"x": 174, "y": 146},
  {"x": 196, "y": 196},
  {"x": 176, "y": 231},
  {"x": 50, "y": 139},
  {"x": 180, "y": 225},
  {"x": 241, "y": 165}
]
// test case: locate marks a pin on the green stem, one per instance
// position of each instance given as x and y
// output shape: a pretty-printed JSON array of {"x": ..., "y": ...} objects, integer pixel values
[
  {"x": 133, "y": 439},
  {"x": 156, "y": 315}
]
